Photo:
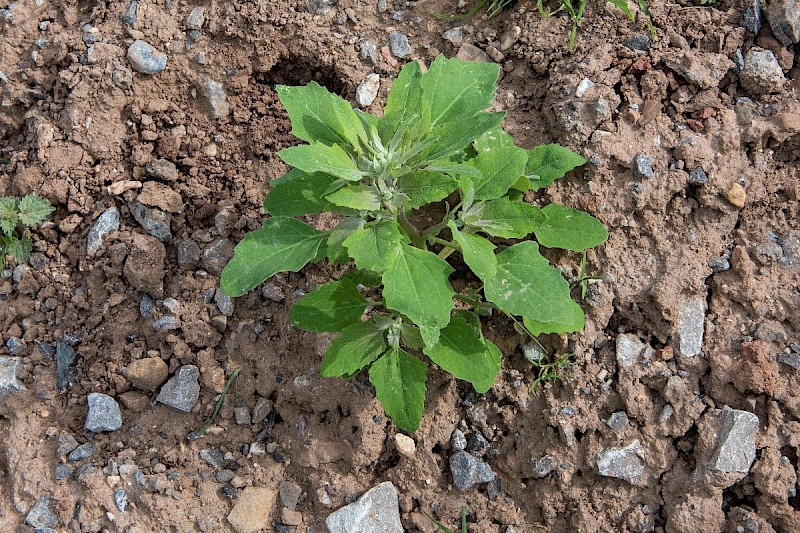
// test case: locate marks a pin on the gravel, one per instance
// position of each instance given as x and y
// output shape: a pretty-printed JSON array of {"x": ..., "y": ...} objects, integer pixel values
[
  {"x": 457, "y": 440},
  {"x": 736, "y": 447},
  {"x": 41, "y": 514},
  {"x": 468, "y": 471},
  {"x": 623, "y": 463},
  {"x": 753, "y": 16},
  {"x": 224, "y": 303},
  {"x": 784, "y": 19},
  {"x": 84, "y": 451},
  {"x": 66, "y": 366},
  {"x": 217, "y": 98},
  {"x": 643, "y": 167},
  {"x": 399, "y": 45},
  {"x": 216, "y": 256},
  {"x": 129, "y": 17},
  {"x": 617, "y": 421},
  {"x": 154, "y": 221},
  {"x": 543, "y": 466},
  {"x": 107, "y": 222},
  {"x": 9, "y": 366},
  {"x": 182, "y": 391},
  {"x": 188, "y": 254},
  {"x": 146, "y": 306},
  {"x": 146, "y": 59},
  {"x": 104, "y": 413},
  {"x": 639, "y": 42},
  {"x": 196, "y": 18},
  {"x": 367, "y": 90},
  {"x": 62, "y": 471},
  {"x": 121, "y": 500},
  {"x": 698, "y": 176},
  {"x": 16, "y": 346},
  {"x": 377, "y": 511},
  {"x": 762, "y": 74},
  {"x": 212, "y": 457},
  {"x": 691, "y": 327},
  {"x": 289, "y": 494}
]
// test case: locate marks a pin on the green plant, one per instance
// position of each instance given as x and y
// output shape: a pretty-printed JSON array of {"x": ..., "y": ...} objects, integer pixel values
[
  {"x": 553, "y": 369},
  {"x": 441, "y": 527},
  {"x": 435, "y": 148},
  {"x": 17, "y": 217}
]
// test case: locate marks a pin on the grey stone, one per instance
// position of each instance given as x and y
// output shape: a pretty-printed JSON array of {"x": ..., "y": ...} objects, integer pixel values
[
  {"x": 543, "y": 466},
  {"x": 212, "y": 457},
  {"x": 639, "y": 42},
  {"x": 146, "y": 306},
  {"x": 166, "y": 323},
  {"x": 632, "y": 351},
  {"x": 719, "y": 264},
  {"x": 698, "y": 176},
  {"x": 270, "y": 291},
  {"x": 399, "y": 45},
  {"x": 107, "y": 222},
  {"x": 369, "y": 51},
  {"x": 242, "y": 416},
  {"x": 66, "y": 443},
  {"x": 784, "y": 19},
  {"x": 790, "y": 243},
  {"x": 691, "y": 326},
  {"x": 643, "y": 167},
  {"x": 617, "y": 421},
  {"x": 704, "y": 69},
  {"x": 82, "y": 452},
  {"x": 753, "y": 16},
  {"x": 129, "y": 17},
  {"x": 104, "y": 413},
  {"x": 196, "y": 18},
  {"x": 767, "y": 252},
  {"x": 477, "y": 443},
  {"x": 736, "y": 448},
  {"x": 762, "y": 74},
  {"x": 62, "y": 471},
  {"x": 146, "y": 59},
  {"x": 223, "y": 302},
  {"x": 188, "y": 254},
  {"x": 41, "y": 514},
  {"x": 468, "y": 471},
  {"x": 367, "y": 90},
  {"x": 16, "y": 346},
  {"x": 224, "y": 476},
  {"x": 121, "y": 500},
  {"x": 156, "y": 222},
  {"x": 738, "y": 60},
  {"x": 457, "y": 440},
  {"x": 216, "y": 256},
  {"x": 289, "y": 494},
  {"x": 377, "y": 511},
  {"x": 261, "y": 410},
  {"x": 792, "y": 359},
  {"x": 453, "y": 35},
  {"x": 182, "y": 391},
  {"x": 9, "y": 366},
  {"x": 217, "y": 98},
  {"x": 163, "y": 169},
  {"x": 583, "y": 86},
  {"x": 623, "y": 463}
]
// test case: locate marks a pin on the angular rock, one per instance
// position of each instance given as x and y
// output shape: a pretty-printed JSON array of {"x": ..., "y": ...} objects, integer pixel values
[
  {"x": 289, "y": 494},
  {"x": 736, "y": 448},
  {"x": 617, "y": 421},
  {"x": 144, "y": 267},
  {"x": 182, "y": 391},
  {"x": 468, "y": 471},
  {"x": 166, "y": 323},
  {"x": 705, "y": 70},
  {"x": 212, "y": 457},
  {"x": 252, "y": 510},
  {"x": 188, "y": 254},
  {"x": 405, "y": 445},
  {"x": 66, "y": 366},
  {"x": 643, "y": 167},
  {"x": 129, "y": 17},
  {"x": 784, "y": 19},
  {"x": 217, "y": 98},
  {"x": 196, "y": 18},
  {"x": 16, "y": 346},
  {"x": 632, "y": 351},
  {"x": 9, "y": 366},
  {"x": 41, "y": 514},
  {"x": 62, "y": 471},
  {"x": 224, "y": 303},
  {"x": 146, "y": 59},
  {"x": 698, "y": 176},
  {"x": 399, "y": 45},
  {"x": 762, "y": 74},
  {"x": 470, "y": 52},
  {"x": 216, "y": 256},
  {"x": 377, "y": 511},
  {"x": 66, "y": 443},
  {"x": 753, "y": 16},
  {"x": 147, "y": 373},
  {"x": 84, "y": 451},
  {"x": 160, "y": 196},
  {"x": 107, "y": 222},
  {"x": 261, "y": 410},
  {"x": 156, "y": 222},
  {"x": 624, "y": 463},
  {"x": 543, "y": 466},
  {"x": 453, "y": 35},
  {"x": 121, "y": 500},
  {"x": 639, "y": 42},
  {"x": 104, "y": 413},
  {"x": 163, "y": 169},
  {"x": 457, "y": 440},
  {"x": 691, "y": 326},
  {"x": 367, "y": 90}
]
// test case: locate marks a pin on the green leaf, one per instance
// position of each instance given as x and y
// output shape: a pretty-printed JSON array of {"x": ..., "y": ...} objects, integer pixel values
[
  {"x": 504, "y": 218},
  {"x": 299, "y": 193},
  {"x": 500, "y": 169},
  {"x": 358, "y": 197},
  {"x": 623, "y": 6},
  {"x": 492, "y": 140},
  {"x": 357, "y": 346},
  {"x": 330, "y": 307},
  {"x": 458, "y": 90},
  {"x": 527, "y": 285},
  {"x": 320, "y": 116},
  {"x": 569, "y": 229},
  {"x": 410, "y": 336},
  {"x": 33, "y": 209},
  {"x": 574, "y": 322},
  {"x": 318, "y": 157},
  {"x": 19, "y": 249},
  {"x": 416, "y": 286},
  {"x": 452, "y": 137},
  {"x": 335, "y": 247},
  {"x": 548, "y": 162},
  {"x": 478, "y": 253},
  {"x": 464, "y": 352},
  {"x": 377, "y": 246},
  {"x": 422, "y": 188},
  {"x": 403, "y": 101},
  {"x": 8, "y": 214},
  {"x": 453, "y": 169},
  {"x": 399, "y": 380},
  {"x": 281, "y": 245}
]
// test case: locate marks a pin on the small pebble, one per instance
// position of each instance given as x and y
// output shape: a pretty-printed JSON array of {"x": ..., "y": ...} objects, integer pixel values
[
  {"x": 62, "y": 471},
  {"x": 81, "y": 452},
  {"x": 736, "y": 195},
  {"x": 121, "y": 500},
  {"x": 405, "y": 445},
  {"x": 146, "y": 59},
  {"x": 196, "y": 18},
  {"x": 698, "y": 176},
  {"x": 642, "y": 167},
  {"x": 399, "y": 45},
  {"x": 104, "y": 413}
]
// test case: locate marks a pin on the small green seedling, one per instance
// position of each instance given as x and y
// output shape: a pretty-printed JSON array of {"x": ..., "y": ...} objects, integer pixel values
[
  {"x": 444, "y": 529},
  {"x": 553, "y": 369},
  {"x": 17, "y": 217},
  {"x": 432, "y": 189}
]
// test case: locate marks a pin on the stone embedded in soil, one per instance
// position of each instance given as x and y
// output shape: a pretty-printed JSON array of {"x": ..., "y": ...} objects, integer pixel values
[
  {"x": 160, "y": 196},
  {"x": 457, "y": 440},
  {"x": 639, "y": 42},
  {"x": 66, "y": 366},
  {"x": 144, "y": 58},
  {"x": 252, "y": 510},
  {"x": 121, "y": 500},
  {"x": 188, "y": 254},
  {"x": 753, "y": 16},
  {"x": 146, "y": 306},
  {"x": 703, "y": 69},
  {"x": 224, "y": 303},
  {"x": 736, "y": 195},
  {"x": 166, "y": 323},
  {"x": 9, "y": 366},
  {"x": 144, "y": 267},
  {"x": 270, "y": 291},
  {"x": 367, "y": 90},
  {"x": 510, "y": 37},
  {"x": 16, "y": 346},
  {"x": 290, "y": 517},
  {"x": 65, "y": 443},
  {"x": 147, "y": 373},
  {"x": 453, "y": 35},
  {"x": 84, "y": 451},
  {"x": 691, "y": 326},
  {"x": 129, "y": 17},
  {"x": 182, "y": 391},
  {"x": 369, "y": 51},
  {"x": 617, "y": 421},
  {"x": 155, "y": 221},
  {"x": 470, "y": 52},
  {"x": 216, "y": 256},
  {"x": 377, "y": 511},
  {"x": 791, "y": 359},
  {"x": 468, "y": 470},
  {"x": 217, "y": 98},
  {"x": 736, "y": 448},
  {"x": 261, "y": 410},
  {"x": 212, "y": 457},
  {"x": 784, "y": 19},
  {"x": 399, "y": 45},
  {"x": 107, "y": 222},
  {"x": 698, "y": 176},
  {"x": 41, "y": 514},
  {"x": 643, "y": 167},
  {"x": 196, "y": 18},
  {"x": 405, "y": 445},
  {"x": 289, "y": 494},
  {"x": 242, "y": 416},
  {"x": 583, "y": 86},
  {"x": 623, "y": 463},
  {"x": 62, "y": 471},
  {"x": 163, "y": 169},
  {"x": 104, "y": 413},
  {"x": 762, "y": 74},
  {"x": 631, "y": 351},
  {"x": 543, "y": 466}
]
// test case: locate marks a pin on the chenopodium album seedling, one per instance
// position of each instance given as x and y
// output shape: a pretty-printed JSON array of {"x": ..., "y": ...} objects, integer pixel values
[
  {"x": 435, "y": 144},
  {"x": 16, "y": 217}
]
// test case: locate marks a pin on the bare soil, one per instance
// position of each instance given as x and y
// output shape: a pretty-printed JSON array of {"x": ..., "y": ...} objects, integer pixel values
[{"x": 76, "y": 126}]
